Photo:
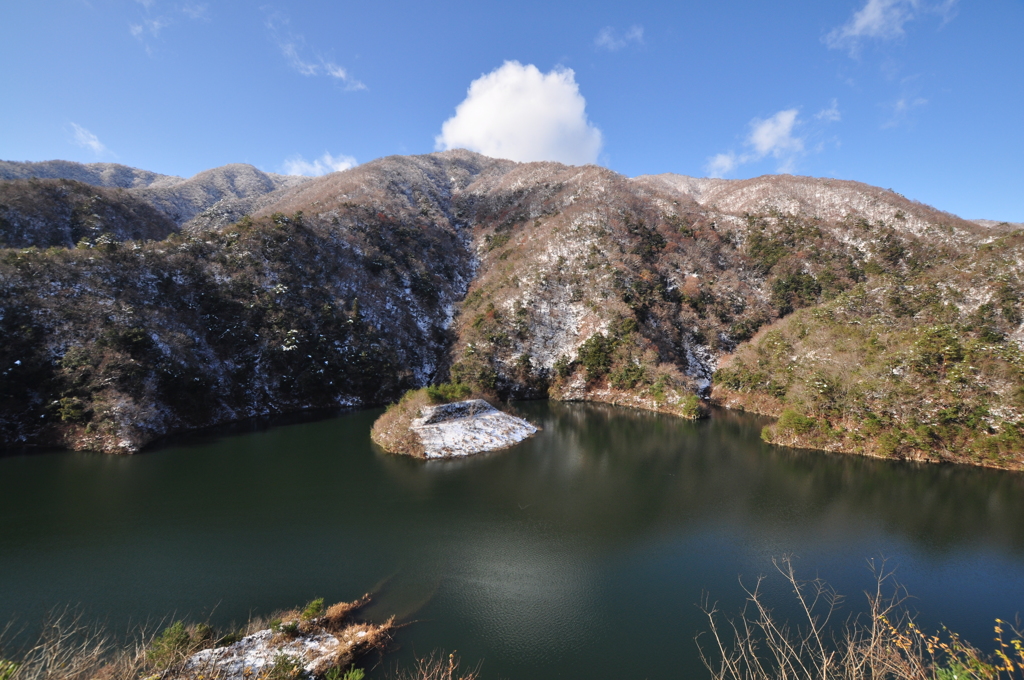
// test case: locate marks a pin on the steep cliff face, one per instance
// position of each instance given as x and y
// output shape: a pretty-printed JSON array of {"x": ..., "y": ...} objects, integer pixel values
[{"x": 531, "y": 280}]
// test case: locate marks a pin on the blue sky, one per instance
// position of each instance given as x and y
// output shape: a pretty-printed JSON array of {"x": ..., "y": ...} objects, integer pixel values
[{"x": 922, "y": 96}]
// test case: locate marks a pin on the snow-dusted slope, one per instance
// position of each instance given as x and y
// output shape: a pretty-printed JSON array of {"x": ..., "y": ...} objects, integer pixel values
[
  {"x": 97, "y": 174},
  {"x": 830, "y": 200},
  {"x": 224, "y": 194},
  {"x": 186, "y": 199}
]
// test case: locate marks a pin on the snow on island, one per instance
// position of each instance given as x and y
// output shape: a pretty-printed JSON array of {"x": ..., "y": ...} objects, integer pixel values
[{"x": 462, "y": 428}]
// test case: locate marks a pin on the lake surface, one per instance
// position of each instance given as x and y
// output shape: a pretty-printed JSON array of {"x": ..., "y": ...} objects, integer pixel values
[{"x": 582, "y": 552}]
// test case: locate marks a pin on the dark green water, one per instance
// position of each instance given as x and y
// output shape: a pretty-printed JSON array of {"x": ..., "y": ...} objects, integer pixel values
[{"x": 580, "y": 553}]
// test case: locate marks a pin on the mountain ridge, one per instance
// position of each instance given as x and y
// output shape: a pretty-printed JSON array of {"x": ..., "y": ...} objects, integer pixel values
[
  {"x": 214, "y": 197},
  {"x": 532, "y": 280}
]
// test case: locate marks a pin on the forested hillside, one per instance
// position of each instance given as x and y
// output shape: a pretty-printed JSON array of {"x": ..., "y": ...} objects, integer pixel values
[{"x": 869, "y": 323}]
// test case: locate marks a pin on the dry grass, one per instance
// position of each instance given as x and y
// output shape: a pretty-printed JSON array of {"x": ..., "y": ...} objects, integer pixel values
[
  {"x": 884, "y": 644},
  {"x": 391, "y": 430},
  {"x": 68, "y": 648},
  {"x": 337, "y": 614},
  {"x": 438, "y": 667}
]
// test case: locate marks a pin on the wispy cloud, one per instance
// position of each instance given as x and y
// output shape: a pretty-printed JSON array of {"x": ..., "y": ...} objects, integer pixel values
[
  {"x": 831, "y": 114},
  {"x": 900, "y": 110},
  {"x": 342, "y": 74},
  {"x": 88, "y": 140},
  {"x": 293, "y": 48},
  {"x": 884, "y": 20},
  {"x": 297, "y": 165},
  {"x": 291, "y": 53},
  {"x": 151, "y": 27},
  {"x": 197, "y": 11},
  {"x": 609, "y": 39},
  {"x": 148, "y": 27}
]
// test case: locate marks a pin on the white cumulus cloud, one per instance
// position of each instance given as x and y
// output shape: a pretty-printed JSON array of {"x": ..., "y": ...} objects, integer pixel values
[
  {"x": 775, "y": 135},
  {"x": 769, "y": 137},
  {"x": 297, "y": 165},
  {"x": 722, "y": 164},
  {"x": 88, "y": 140},
  {"x": 517, "y": 112}
]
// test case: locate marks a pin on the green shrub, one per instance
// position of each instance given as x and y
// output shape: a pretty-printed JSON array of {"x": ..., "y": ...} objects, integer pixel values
[
  {"x": 290, "y": 628},
  {"x": 936, "y": 349},
  {"x": 313, "y": 609},
  {"x": 596, "y": 355},
  {"x": 889, "y": 444},
  {"x": 564, "y": 367},
  {"x": 285, "y": 667},
  {"x": 176, "y": 642},
  {"x": 75, "y": 357},
  {"x": 337, "y": 673},
  {"x": 690, "y": 406},
  {"x": 7, "y": 669},
  {"x": 627, "y": 376},
  {"x": 72, "y": 410},
  {"x": 794, "y": 290},
  {"x": 658, "y": 388},
  {"x": 795, "y": 422},
  {"x": 448, "y": 392}
]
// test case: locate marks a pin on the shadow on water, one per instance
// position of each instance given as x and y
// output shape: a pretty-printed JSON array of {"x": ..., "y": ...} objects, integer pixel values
[{"x": 599, "y": 533}]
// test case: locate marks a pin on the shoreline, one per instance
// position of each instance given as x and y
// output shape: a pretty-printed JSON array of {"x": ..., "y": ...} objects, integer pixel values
[{"x": 721, "y": 397}]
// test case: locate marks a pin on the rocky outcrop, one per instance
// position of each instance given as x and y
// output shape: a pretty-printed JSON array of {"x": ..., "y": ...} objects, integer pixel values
[{"x": 463, "y": 428}]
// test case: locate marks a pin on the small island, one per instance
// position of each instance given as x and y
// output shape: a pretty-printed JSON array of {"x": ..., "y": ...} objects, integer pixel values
[{"x": 447, "y": 421}]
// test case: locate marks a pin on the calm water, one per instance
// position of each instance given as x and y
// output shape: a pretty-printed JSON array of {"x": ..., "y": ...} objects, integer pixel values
[{"x": 580, "y": 553}]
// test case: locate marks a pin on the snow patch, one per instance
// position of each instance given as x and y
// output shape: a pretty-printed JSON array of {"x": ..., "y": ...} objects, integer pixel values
[{"x": 463, "y": 428}]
